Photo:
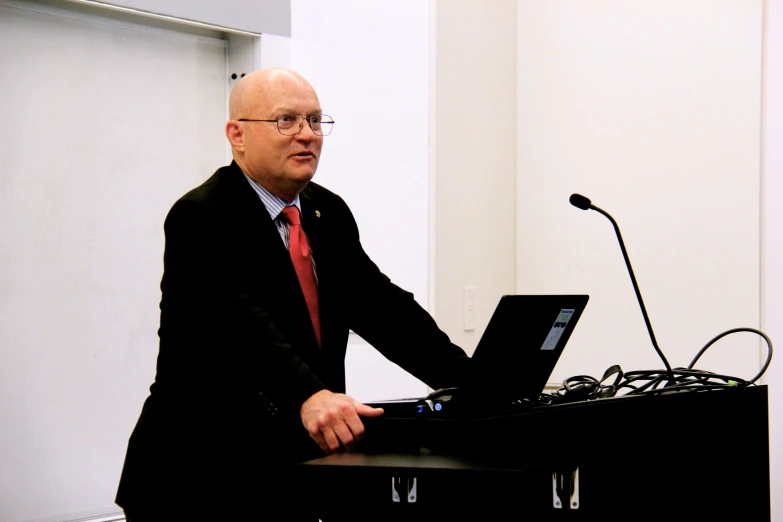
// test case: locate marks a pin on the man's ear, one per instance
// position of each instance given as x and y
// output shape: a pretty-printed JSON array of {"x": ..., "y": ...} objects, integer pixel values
[{"x": 235, "y": 136}]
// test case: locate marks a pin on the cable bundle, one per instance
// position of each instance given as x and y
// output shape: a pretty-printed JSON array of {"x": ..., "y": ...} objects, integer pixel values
[{"x": 653, "y": 382}]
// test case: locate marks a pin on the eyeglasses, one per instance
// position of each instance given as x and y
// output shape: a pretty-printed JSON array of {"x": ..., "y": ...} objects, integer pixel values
[{"x": 292, "y": 124}]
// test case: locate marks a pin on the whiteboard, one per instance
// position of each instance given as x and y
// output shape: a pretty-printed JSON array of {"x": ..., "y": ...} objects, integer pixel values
[{"x": 104, "y": 125}]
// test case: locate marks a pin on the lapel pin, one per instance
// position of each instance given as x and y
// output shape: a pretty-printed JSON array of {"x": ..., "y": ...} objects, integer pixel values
[{"x": 317, "y": 213}]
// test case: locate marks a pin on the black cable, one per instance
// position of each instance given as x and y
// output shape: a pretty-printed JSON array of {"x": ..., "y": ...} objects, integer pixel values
[
  {"x": 583, "y": 387},
  {"x": 654, "y": 382},
  {"x": 689, "y": 389},
  {"x": 734, "y": 330}
]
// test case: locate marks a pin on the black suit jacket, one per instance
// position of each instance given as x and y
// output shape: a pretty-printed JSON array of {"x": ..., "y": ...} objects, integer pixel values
[{"x": 238, "y": 354}]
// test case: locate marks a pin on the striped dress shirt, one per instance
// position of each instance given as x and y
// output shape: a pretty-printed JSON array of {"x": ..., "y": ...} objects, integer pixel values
[{"x": 274, "y": 205}]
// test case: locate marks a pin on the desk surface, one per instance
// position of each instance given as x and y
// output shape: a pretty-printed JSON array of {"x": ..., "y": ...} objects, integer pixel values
[
  {"x": 692, "y": 417},
  {"x": 393, "y": 462}
]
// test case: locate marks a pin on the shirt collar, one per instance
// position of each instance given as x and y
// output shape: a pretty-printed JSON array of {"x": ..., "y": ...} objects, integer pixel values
[{"x": 274, "y": 205}]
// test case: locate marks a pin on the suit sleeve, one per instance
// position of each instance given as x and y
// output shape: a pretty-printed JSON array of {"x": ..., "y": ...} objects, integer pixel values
[
  {"x": 220, "y": 329},
  {"x": 390, "y": 319}
]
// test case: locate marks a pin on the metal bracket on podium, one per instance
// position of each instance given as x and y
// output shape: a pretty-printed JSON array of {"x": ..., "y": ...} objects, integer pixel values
[
  {"x": 565, "y": 489},
  {"x": 404, "y": 490}
]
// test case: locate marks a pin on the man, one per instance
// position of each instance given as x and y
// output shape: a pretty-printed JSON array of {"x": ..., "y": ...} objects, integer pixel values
[{"x": 264, "y": 275}]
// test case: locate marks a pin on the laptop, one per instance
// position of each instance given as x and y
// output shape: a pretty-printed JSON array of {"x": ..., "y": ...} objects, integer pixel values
[{"x": 514, "y": 359}]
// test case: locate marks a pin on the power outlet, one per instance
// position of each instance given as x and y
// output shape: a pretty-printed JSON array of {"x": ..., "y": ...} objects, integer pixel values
[{"x": 469, "y": 310}]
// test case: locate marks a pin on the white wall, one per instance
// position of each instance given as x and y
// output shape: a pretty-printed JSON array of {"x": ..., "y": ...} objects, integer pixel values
[
  {"x": 652, "y": 110},
  {"x": 410, "y": 94},
  {"x": 474, "y": 163},
  {"x": 369, "y": 64},
  {"x": 772, "y": 168}
]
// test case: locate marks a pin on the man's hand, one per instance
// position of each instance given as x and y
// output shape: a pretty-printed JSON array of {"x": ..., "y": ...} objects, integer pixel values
[{"x": 332, "y": 419}]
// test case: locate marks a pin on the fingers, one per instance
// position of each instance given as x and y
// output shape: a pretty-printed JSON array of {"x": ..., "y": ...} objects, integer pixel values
[
  {"x": 319, "y": 439},
  {"x": 331, "y": 441},
  {"x": 332, "y": 421},
  {"x": 345, "y": 435},
  {"x": 354, "y": 424},
  {"x": 367, "y": 411},
  {"x": 334, "y": 438},
  {"x": 354, "y": 421},
  {"x": 327, "y": 440}
]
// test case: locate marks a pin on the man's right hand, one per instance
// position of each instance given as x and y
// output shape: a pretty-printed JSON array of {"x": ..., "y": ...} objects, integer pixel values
[{"x": 332, "y": 420}]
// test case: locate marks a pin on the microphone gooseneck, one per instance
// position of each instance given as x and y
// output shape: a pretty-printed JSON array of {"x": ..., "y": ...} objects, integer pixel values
[{"x": 584, "y": 203}]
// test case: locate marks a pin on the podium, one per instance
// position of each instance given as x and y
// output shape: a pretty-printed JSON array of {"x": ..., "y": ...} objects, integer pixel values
[{"x": 669, "y": 457}]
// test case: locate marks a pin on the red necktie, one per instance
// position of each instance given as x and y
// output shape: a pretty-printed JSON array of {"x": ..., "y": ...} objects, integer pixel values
[{"x": 303, "y": 264}]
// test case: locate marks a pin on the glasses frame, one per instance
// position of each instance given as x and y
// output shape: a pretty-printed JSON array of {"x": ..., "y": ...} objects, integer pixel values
[{"x": 304, "y": 117}]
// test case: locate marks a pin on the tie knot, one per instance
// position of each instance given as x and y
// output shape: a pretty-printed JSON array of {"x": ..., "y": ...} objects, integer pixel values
[{"x": 291, "y": 213}]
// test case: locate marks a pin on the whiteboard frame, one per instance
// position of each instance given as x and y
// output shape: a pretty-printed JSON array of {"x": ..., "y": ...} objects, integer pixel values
[{"x": 184, "y": 31}]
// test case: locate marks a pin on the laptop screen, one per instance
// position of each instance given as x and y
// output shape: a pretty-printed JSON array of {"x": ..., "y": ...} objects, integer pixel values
[{"x": 522, "y": 343}]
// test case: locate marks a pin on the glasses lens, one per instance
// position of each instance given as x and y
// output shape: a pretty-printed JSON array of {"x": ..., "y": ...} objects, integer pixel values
[
  {"x": 324, "y": 125},
  {"x": 290, "y": 124}
]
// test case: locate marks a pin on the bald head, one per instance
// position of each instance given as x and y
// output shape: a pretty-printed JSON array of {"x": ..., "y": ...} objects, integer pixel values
[
  {"x": 283, "y": 164},
  {"x": 259, "y": 86}
]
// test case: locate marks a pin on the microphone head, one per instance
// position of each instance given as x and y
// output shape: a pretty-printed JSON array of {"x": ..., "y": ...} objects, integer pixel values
[{"x": 579, "y": 201}]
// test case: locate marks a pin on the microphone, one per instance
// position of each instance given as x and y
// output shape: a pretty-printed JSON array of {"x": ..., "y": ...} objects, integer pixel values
[{"x": 581, "y": 202}]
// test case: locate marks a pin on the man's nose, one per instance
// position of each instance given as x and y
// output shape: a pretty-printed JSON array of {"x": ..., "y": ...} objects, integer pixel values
[{"x": 306, "y": 132}]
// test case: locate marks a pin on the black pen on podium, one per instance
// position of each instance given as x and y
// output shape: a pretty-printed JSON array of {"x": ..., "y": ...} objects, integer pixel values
[{"x": 581, "y": 202}]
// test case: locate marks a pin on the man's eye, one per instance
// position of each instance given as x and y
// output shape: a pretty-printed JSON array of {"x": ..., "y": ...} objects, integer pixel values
[
  {"x": 315, "y": 120},
  {"x": 287, "y": 118}
]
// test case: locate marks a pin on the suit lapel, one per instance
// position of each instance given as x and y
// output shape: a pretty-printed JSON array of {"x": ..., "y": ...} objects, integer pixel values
[
  {"x": 311, "y": 221},
  {"x": 256, "y": 221},
  {"x": 264, "y": 242}
]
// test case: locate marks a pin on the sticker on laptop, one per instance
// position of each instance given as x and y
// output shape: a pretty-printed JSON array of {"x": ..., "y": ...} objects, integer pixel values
[{"x": 558, "y": 328}]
